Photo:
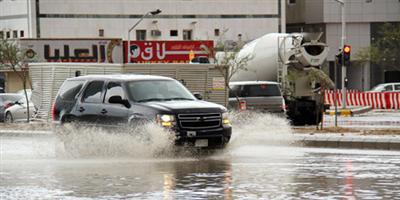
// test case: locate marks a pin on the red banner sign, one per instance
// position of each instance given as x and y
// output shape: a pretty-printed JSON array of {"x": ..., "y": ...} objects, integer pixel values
[{"x": 167, "y": 51}]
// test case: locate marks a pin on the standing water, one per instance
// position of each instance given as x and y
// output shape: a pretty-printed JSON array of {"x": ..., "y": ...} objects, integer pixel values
[{"x": 257, "y": 164}]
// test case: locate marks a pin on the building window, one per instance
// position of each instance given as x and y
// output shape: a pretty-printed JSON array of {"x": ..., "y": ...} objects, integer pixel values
[
  {"x": 15, "y": 34},
  {"x": 21, "y": 34},
  {"x": 187, "y": 34},
  {"x": 8, "y": 34},
  {"x": 292, "y": 2},
  {"x": 1, "y": 34},
  {"x": 101, "y": 32},
  {"x": 216, "y": 32},
  {"x": 173, "y": 33},
  {"x": 140, "y": 35}
]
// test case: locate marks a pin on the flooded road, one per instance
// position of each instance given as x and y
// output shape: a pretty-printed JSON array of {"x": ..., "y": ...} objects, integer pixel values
[{"x": 254, "y": 166}]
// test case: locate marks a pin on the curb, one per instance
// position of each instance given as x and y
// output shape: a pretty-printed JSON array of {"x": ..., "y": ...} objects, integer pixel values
[
  {"x": 326, "y": 141},
  {"x": 349, "y": 142},
  {"x": 349, "y": 112},
  {"x": 343, "y": 113}
]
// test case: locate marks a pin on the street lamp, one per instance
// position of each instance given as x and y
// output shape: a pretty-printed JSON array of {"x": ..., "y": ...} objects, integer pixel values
[
  {"x": 154, "y": 12},
  {"x": 342, "y": 4}
]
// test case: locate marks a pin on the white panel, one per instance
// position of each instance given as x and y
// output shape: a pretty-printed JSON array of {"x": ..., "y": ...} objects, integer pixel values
[
  {"x": 170, "y": 7},
  {"x": 203, "y": 29}
]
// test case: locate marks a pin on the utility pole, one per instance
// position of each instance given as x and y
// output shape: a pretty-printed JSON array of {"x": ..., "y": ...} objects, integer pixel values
[
  {"x": 343, "y": 14},
  {"x": 155, "y": 12}
]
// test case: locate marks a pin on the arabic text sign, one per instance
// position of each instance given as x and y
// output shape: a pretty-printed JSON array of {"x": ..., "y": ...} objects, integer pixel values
[
  {"x": 167, "y": 51},
  {"x": 74, "y": 50}
]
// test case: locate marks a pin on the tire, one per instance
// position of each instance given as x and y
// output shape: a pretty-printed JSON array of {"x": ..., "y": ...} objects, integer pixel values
[{"x": 9, "y": 118}]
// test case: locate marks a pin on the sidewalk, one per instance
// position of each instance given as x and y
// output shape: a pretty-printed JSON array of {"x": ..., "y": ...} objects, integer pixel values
[
  {"x": 342, "y": 137},
  {"x": 382, "y": 139}
]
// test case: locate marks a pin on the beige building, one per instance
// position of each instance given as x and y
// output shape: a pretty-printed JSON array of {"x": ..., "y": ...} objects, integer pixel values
[{"x": 219, "y": 20}]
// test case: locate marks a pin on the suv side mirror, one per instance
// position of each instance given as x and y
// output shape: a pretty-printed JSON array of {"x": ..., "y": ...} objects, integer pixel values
[
  {"x": 118, "y": 100},
  {"x": 198, "y": 96}
]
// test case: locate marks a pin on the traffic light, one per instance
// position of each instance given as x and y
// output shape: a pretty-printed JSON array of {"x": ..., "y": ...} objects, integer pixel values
[
  {"x": 339, "y": 57},
  {"x": 346, "y": 54}
]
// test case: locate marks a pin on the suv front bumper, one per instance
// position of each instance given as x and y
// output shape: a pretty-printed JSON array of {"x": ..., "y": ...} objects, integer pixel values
[{"x": 214, "y": 138}]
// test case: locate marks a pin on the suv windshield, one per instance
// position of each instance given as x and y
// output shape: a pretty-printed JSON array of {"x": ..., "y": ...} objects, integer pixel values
[{"x": 157, "y": 90}]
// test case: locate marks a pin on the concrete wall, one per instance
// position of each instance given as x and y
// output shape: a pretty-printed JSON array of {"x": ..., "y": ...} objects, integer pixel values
[
  {"x": 363, "y": 11},
  {"x": 203, "y": 29},
  {"x": 357, "y": 35},
  {"x": 13, "y": 16}
]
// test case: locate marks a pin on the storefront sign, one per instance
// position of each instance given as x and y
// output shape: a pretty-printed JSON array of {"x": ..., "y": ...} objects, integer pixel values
[
  {"x": 167, "y": 51},
  {"x": 73, "y": 50}
]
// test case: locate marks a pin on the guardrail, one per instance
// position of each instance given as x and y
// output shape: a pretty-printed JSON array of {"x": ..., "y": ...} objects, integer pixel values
[{"x": 380, "y": 100}]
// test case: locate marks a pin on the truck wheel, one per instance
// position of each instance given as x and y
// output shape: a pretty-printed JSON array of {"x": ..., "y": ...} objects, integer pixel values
[{"x": 9, "y": 118}]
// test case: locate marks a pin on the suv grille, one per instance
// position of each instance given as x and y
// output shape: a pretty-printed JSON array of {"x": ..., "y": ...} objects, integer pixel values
[{"x": 200, "y": 120}]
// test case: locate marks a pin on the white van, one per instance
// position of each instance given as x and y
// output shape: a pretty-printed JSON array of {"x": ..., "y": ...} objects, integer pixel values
[
  {"x": 386, "y": 87},
  {"x": 264, "y": 96}
]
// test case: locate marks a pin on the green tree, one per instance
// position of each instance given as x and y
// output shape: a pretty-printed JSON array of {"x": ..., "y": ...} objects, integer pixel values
[
  {"x": 228, "y": 60},
  {"x": 14, "y": 58},
  {"x": 385, "y": 48}
]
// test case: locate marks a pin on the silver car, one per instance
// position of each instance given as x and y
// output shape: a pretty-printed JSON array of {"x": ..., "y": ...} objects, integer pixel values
[
  {"x": 18, "y": 111},
  {"x": 6, "y": 101},
  {"x": 264, "y": 96}
]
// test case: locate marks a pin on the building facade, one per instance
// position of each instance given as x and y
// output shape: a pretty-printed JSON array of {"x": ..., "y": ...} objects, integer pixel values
[
  {"x": 363, "y": 20},
  {"x": 225, "y": 21},
  {"x": 179, "y": 19}
]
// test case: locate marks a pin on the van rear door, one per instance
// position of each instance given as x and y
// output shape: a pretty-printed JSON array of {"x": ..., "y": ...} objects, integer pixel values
[{"x": 263, "y": 97}]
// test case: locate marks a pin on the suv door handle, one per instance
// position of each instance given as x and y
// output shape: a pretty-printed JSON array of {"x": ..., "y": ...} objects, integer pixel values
[
  {"x": 81, "y": 109},
  {"x": 104, "y": 111}
]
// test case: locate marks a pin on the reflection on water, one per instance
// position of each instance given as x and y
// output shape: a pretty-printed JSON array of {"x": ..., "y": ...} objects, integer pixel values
[
  {"x": 252, "y": 167},
  {"x": 297, "y": 174}
]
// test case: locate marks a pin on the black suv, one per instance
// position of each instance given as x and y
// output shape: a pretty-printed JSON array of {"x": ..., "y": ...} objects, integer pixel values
[{"x": 129, "y": 99}]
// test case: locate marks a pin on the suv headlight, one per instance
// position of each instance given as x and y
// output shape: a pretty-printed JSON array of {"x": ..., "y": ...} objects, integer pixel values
[
  {"x": 225, "y": 119},
  {"x": 166, "y": 120}
]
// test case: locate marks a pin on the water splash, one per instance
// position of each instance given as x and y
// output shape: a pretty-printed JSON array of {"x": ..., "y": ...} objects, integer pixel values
[
  {"x": 255, "y": 128},
  {"x": 149, "y": 141}
]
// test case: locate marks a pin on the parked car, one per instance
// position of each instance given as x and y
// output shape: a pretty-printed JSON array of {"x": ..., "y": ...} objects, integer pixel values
[
  {"x": 18, "y": 111},
  {"x": 264, "y": 96},
  {"x": 6, "y": 101},
  {"x": 386, "y": 87},
  {"x": 107, "y": 100}
]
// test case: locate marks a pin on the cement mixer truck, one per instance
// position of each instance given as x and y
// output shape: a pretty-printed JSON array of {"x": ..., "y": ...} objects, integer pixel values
[{"x": 292, "y": 60}]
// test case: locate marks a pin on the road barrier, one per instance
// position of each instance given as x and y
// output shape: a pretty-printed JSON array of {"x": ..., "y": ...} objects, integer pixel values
[{"x": 380, "y": 100}]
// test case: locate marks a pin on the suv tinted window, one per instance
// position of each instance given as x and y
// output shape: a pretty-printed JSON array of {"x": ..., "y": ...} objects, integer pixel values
[
  {"x": 262, "y": 90},
  {"x": 70, "y": 89},
  {"x": 114, "y": 89},
  {"x": 93, "y": 92}
]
